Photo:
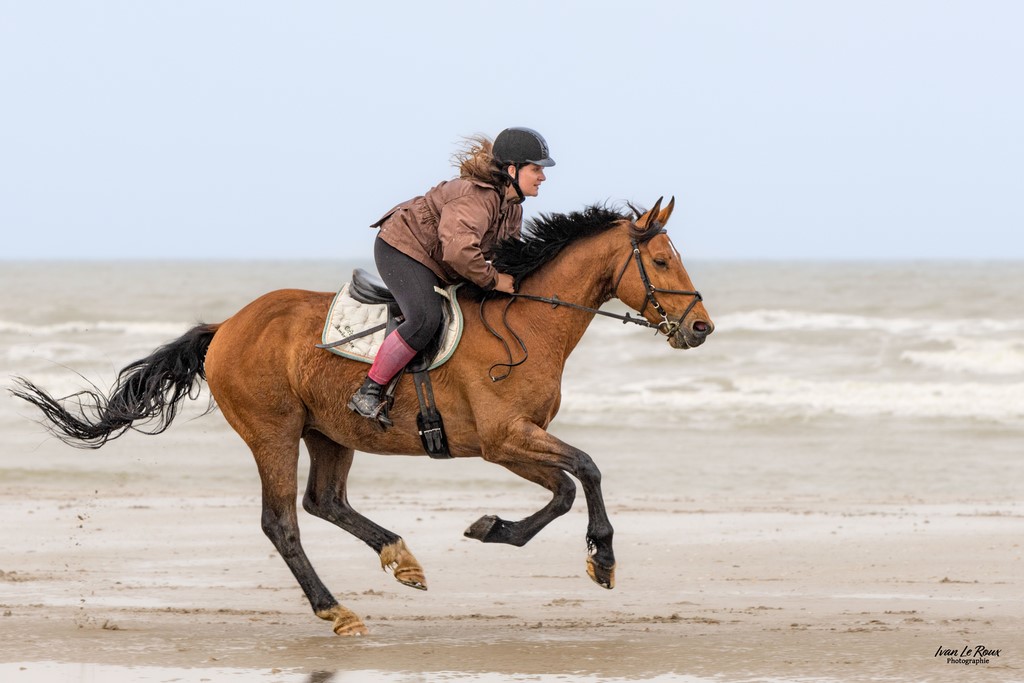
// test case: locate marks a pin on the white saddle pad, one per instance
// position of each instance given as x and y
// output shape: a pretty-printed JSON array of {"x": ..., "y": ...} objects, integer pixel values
[{"x": 348, "y": 316}]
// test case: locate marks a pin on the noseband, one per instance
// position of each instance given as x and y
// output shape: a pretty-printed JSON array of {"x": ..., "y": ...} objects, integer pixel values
[{"x": 666, "y": 326}]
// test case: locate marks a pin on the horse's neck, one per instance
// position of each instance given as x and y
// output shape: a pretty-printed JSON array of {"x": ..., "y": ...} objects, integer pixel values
[{"x": 580, "y": 275}]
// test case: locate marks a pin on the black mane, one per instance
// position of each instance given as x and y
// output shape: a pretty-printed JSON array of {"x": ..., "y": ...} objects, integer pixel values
[{"x": 545, "y": 237}]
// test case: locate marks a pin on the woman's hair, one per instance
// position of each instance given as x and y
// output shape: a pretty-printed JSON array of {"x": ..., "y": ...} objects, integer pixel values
[{"x": 476, "y": 162}]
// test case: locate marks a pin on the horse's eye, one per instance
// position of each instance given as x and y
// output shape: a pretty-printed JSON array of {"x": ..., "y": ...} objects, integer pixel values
[{"x": 660, "y": 262}]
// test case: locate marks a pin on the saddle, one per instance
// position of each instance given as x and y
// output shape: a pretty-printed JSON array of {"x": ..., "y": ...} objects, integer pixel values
[{"x": 362, "y": 314}]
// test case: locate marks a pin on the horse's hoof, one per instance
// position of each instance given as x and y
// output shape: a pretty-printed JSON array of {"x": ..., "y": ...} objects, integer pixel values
[
  {"x": 482, "y": 528},
  {"x": 412, "y": 578},
  {"x": 403, "y": 565},
  {"x": 346, "y": 623},
  {"x": 602, "y": 576},
  {"x": 355, "y": 628}
]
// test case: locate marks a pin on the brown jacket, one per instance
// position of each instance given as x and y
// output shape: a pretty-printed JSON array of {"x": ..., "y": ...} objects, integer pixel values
[{"x": 453, "y": 228}]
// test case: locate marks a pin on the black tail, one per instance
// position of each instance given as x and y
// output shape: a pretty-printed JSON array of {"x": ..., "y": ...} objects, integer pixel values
[{"x": 148, "y": 390}]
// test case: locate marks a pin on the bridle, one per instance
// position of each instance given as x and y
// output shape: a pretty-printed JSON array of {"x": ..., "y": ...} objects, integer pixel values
[{"x": 666, "y": 326}]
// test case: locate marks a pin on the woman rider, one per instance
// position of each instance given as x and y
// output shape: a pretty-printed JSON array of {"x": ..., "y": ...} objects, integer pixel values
[{"x": 446, "y": 236}]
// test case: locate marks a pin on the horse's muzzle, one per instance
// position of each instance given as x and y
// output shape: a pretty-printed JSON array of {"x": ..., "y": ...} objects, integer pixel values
[{"x": 692, "y": 335}]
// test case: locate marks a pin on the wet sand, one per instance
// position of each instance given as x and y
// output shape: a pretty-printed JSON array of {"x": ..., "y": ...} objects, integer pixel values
[{"x": 150, "y": 554}]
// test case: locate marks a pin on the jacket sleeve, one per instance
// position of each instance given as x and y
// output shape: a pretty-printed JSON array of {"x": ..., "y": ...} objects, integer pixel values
[{"x": 462, "y": 224}]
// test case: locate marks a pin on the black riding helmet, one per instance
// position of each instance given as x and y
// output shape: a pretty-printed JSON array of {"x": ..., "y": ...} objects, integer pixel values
[{"x": 518, "y": 147}]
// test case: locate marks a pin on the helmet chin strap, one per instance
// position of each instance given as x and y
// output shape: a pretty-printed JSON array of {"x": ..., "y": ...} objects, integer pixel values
[{"x": 515, "y": 183}]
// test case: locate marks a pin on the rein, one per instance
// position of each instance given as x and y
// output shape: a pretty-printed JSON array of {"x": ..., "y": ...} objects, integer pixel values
[
  {"x": 556, "y": 302},
  {"x": 666, "y": 326}
]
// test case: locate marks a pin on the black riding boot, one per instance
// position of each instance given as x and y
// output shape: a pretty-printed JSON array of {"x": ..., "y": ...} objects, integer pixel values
[{"x": 369, "y": 401}]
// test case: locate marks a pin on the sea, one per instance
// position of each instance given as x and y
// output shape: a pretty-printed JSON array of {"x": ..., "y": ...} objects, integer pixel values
[{"x": 827, "y": 381}]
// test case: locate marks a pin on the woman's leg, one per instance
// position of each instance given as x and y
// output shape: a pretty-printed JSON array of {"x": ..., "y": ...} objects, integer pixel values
[{"x": 412, "y": 284}]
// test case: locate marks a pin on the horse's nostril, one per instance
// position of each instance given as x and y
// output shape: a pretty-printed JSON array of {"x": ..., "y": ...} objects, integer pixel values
[{"x": 701, "y": 327}]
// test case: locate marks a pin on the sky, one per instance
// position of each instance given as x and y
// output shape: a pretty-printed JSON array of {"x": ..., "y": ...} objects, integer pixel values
[{"x": 248, "y": 129}]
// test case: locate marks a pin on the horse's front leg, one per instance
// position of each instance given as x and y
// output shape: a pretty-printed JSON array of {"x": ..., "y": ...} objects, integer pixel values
[
  {"x": 530, "y": 451},
  {"x": 493, "y": 529},
  {"x": 600, "y": 556}
]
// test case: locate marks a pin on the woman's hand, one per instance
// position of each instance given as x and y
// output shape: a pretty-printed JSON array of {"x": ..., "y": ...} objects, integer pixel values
[{"x": 506, "y": 283}]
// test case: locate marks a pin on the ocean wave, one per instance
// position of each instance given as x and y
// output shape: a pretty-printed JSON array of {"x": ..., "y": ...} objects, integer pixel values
[
  {"x": 140, "y": 328},
  {"x": 769, "y": 397},
  {"x": 767, "y": 320},
  {"x": 977, "y": 356}
]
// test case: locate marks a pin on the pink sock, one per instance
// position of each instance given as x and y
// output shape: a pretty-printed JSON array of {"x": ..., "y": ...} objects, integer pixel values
[{"x": 393, "y": 356}]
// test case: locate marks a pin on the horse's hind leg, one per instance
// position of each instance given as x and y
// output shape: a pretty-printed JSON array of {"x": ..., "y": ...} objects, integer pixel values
[
  {"x": 326, "y": 497},
  {"x": 277, "y": 466}
]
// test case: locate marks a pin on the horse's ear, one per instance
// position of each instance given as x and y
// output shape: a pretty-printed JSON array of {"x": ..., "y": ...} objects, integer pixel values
[
  {"x": 651, "y": 215},
  {"x": 666, "y": 212}
]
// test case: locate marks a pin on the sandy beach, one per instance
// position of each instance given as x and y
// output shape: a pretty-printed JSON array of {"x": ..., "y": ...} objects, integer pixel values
[{"x": 144, "y": 556}]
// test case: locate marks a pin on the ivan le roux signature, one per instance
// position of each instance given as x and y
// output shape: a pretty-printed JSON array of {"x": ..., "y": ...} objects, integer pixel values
[{"x": 979, "y": 651}]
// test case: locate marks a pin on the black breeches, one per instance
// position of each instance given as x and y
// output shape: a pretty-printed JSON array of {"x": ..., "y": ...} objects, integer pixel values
[{"x": 413, "y": 284}]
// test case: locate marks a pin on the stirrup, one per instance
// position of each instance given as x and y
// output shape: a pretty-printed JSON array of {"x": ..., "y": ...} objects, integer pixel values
[{"x": 370, "y": 406}]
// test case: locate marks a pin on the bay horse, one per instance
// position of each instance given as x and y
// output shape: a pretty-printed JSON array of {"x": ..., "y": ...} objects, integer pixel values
[{"x": 275, "y": 387}]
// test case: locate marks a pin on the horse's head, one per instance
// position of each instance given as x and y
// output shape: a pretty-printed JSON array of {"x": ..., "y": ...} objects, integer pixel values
[{"x": 654, "y": 281}]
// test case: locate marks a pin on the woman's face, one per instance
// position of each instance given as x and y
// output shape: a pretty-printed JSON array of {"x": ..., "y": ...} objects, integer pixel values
[{"x": 530, "y": 178}]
